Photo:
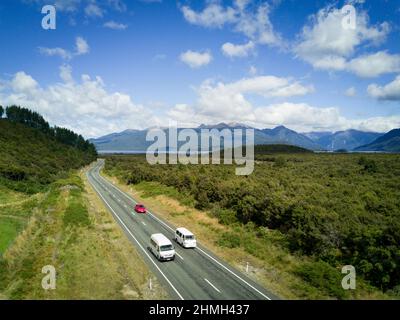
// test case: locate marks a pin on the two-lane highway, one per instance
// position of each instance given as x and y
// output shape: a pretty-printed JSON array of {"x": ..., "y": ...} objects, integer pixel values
[{"x": 195, "y": 273}]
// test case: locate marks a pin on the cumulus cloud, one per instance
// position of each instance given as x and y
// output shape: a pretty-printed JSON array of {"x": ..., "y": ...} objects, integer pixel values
[
  {"x": 220, "y": 99},
  {"x": 237, "y": 50},
  {"x": 374, "y": 65},
  {"x": 196, "y": 59},
  {"x": 214, "y": 15},
  {"x": 327, "y": 45},
  {"x": 81, "y": 48},
  {"x": 115, "y": 25},
  {"x": 390, "y": 92},
  {"x": 229, "y": 102},
  {"x": 253, "y": 22},
  {"x": 85, "y": 106}
]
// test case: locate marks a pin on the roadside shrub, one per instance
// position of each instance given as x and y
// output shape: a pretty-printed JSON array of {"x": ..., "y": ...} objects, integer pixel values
[
  {"x": 224, "y": 216},
  {"x": 229, "y": 240},
  {"x": 324, "y": 277}
]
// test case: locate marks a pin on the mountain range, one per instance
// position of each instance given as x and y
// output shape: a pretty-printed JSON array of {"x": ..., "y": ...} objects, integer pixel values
[{"x": 350, "y": 140}]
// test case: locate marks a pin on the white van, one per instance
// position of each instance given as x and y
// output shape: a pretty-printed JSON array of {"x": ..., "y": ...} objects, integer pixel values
[
  {"x": 185, "y": 238},
  {"x": 162, "y": 247}
]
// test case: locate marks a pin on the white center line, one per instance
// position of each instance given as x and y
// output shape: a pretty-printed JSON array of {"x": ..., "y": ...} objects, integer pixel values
[
  {"x": 143, "y": 223},
  {"x": 216, "y": 289},
  {"x": 179, "y": 255}
]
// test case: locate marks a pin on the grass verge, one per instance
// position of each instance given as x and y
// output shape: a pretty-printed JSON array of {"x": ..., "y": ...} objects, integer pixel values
[{"x": 69, "y": 228}]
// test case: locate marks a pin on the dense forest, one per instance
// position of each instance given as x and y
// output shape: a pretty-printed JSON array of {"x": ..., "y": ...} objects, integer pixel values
[
  {"x": 337, "y": 209},
  {"x": 33, "y": 154}
]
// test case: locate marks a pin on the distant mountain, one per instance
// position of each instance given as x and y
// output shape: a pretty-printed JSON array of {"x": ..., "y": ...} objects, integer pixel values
[
  {"x": 135, "y": 140},
  {"x": 390, "y": 142},
  {"x": 128, "y": 140},
  {"x": 283, "y": 135},
  {"x": 346, "y": 140},
  {"x": 223, "y": 125}
]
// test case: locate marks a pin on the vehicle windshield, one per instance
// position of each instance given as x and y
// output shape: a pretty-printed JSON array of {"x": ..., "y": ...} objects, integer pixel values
[
  {"x": 189, "y": 237},
  {"x": 141, "y": 206},
  {"x": 166, "y": 247}
]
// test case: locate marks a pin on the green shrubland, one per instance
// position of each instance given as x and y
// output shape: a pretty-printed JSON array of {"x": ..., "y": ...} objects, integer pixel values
[{"x": 33, "y": 154}]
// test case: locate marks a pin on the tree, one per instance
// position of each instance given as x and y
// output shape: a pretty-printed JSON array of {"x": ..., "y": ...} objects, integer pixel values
[{"x": 1, "y": 111}]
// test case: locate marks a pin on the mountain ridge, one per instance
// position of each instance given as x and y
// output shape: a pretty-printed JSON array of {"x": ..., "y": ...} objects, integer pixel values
[{"x": 134, "y": 140}]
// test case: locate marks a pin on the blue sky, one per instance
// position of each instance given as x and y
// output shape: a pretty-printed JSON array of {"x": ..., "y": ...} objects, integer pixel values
[{"x": 111, "y": 65}]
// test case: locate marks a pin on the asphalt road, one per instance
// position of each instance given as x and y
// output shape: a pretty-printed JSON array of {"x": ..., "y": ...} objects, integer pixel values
[{"x": 195, "y": 274}]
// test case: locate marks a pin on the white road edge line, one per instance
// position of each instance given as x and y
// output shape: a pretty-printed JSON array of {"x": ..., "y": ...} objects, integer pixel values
[
  {"x": 141, "y": 247},
  {"x": 216, "y": 289},
  {"x": 202, "y": 251}
]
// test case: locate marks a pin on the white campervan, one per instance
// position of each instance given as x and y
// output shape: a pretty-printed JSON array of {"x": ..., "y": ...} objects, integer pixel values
[
  {"x": 185, "y": 238},
  {"x": 162, "y": 247}
]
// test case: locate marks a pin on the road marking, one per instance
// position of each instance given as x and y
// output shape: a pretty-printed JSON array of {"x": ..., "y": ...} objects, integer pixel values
[
  {"x": 202, "y": 251},
  {"x": 141, "y": 247},
  {"x": 143, "y": 223},
  {"x": 179, "y": 255},
  {"x": 216, "y": 289}
]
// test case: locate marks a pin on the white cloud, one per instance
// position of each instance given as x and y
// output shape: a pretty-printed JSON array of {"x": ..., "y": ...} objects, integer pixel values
[
  {"x": 252, "y": 21},
  {"x": 351, "y": 92},
  {"x": 374, "y": 65},
  {"x": 196, "y": 59},
  {"x": 81, "y": 48},
  {"x": 115, "y": 25},
  {"x": 327, "y": 45},
  {"x": 93, "y": 10},
  {"x": 23, "y": 82},
  {"x": 390, "y": 92},
  {"x": 64, "y": 54},
  {"x": 84, "y": 106},
  {"x": 214, "y": 15},
  {"x": 228, "y": 102},
  {"x": 237, "y": 50}
]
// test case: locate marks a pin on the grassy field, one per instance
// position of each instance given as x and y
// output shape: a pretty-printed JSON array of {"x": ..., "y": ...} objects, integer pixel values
[
  {"x": 296, "y": 220},
  {"x": 68, "y": 228}
]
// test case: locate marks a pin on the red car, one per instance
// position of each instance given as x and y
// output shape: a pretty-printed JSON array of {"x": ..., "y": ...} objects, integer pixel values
[{"x": 139, "y": 208}]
